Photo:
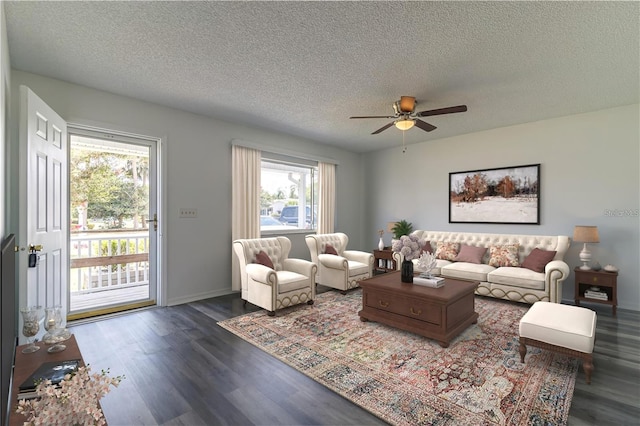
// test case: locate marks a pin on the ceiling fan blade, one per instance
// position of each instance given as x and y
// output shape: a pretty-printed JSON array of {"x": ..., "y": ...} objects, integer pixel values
[
  {"x": 425, "y": 126},
  {"x": 448, "y": 110},
  {"x": 407, "y": 103},
  {"x": 375, "y": 116},
  {"x": 385, "y": 127}
]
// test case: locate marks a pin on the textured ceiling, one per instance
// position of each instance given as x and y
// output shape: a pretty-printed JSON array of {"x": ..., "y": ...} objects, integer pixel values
[{"x": 304, "y": 67}]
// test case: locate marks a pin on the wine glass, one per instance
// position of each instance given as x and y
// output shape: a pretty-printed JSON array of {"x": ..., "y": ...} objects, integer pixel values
[
  {"x": 52, "y": 322},
  {"x": 30, "y": 326}
]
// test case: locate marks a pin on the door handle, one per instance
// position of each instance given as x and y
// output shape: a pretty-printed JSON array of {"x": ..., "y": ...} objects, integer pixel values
[
  {"x": 34, "y": 248},
  {"x": 155, "y": 221}
]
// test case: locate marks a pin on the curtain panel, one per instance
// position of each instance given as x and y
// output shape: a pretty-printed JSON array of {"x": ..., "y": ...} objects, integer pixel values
[
  {"x": 326, "y": 198},
  {"x": 245, "y": 201}
]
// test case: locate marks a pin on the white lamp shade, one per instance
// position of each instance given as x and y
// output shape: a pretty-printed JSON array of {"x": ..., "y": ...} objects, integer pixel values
[
  {"x": 405, "y": 124},
  {"x": 585, "y": 234}
]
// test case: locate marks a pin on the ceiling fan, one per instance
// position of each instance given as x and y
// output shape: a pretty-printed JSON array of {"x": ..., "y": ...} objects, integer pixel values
[{"x": 405, "y": 116}]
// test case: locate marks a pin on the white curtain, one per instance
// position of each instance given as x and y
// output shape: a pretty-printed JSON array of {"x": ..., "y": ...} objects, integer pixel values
[
  {"x": 326, "y": 198},
  {"x": 245, "y": 201}
]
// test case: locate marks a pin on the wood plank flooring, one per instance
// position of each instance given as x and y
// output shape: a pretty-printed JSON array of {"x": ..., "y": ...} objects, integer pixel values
[{"x": 183, "y": 369}]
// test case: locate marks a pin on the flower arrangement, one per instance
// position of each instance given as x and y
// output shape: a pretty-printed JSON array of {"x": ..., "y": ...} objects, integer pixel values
[
  {"x": 410, "y": 246},
  {"x": 73, "y": 402}
]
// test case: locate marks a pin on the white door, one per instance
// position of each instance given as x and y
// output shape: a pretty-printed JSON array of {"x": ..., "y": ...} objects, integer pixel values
[{"x": 43, "y": 204}]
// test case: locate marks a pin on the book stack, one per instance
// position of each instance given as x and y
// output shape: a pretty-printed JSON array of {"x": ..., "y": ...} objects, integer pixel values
[
  {"x": 434, "y": 282},
  {"x": 593, "y": 294},
  {"x": 54, "y": 371}
]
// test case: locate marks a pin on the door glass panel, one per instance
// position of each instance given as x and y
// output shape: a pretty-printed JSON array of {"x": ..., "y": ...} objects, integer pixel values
[{"x": 109, "y": 230}]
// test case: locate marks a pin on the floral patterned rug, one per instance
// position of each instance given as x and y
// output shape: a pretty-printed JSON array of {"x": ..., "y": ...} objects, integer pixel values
[{"x": 406, "y": 379}]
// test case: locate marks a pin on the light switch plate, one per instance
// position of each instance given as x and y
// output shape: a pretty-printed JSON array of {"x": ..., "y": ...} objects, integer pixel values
[{"x": 188, "y": 212}]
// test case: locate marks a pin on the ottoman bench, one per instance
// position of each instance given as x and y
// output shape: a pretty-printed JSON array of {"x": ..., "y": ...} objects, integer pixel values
[{"x": 565, "y": 329}]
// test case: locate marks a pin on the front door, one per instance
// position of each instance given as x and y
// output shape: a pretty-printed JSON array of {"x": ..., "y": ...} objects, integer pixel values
[
  {"x": 114, "y": 221},
  {"x": 43, "y": 200}
]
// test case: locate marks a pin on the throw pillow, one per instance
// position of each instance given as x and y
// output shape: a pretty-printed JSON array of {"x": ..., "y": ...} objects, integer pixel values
[
  {"x": 538, "y": 259},
  {"x": 328, "y": 249},
  {"x": 426, "y": 248},
  {"x": 470, "y": 254},
  {"x": 506, "y": 255},
  {"x": 447, "y": 251},
  {"x": 264, "y": 259}
]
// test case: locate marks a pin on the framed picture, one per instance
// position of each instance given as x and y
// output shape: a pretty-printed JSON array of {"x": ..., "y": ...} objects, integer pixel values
[{"x": 502, "y": 195}]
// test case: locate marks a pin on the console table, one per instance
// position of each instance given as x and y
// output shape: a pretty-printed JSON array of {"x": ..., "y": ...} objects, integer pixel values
[{"x": 26, "y": 364}]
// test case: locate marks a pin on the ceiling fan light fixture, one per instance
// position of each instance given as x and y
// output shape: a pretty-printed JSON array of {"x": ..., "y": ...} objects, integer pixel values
[{"x": 404, "y": 124}]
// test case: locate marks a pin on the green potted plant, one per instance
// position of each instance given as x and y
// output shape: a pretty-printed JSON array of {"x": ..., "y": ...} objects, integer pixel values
[{"x": 402, "y": 227}]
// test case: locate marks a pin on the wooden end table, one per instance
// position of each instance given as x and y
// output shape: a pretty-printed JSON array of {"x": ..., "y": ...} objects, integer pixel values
[
  {"x": 607, "y": 282},
  {"x": 383, "y": 260},
  {"x": 26, "y": 364},
  {"x": 438, "y": 313}
]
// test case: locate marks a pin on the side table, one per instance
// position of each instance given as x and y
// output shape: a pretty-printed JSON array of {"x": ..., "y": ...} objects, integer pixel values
[
  {"x": 606, "y": 282},
  {"x": 26, "y": 364},
  {"x": 383, "y": 260}
]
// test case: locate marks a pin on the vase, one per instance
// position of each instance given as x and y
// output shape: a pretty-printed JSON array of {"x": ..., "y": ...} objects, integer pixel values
[
  {"x": 406, "y": 271},
  {"x": 380, "y": 244}
]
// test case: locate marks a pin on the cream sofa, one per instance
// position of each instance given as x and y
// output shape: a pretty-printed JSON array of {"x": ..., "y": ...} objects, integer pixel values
[{"x": 506, "y": 282}]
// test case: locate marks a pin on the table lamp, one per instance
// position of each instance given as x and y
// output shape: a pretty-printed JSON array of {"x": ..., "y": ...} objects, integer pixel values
[{"x": 585, "y": 234}]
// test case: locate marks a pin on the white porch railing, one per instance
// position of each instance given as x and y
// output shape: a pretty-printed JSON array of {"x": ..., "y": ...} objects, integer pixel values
[{"x": 108, "y": 260}]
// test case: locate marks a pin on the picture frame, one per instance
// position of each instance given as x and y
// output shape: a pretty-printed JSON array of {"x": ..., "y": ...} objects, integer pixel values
[{"x": 504, "y": 195}]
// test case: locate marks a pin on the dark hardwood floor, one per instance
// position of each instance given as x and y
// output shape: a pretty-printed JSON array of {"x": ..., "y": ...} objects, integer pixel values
[{"x": 183, "y": 369}]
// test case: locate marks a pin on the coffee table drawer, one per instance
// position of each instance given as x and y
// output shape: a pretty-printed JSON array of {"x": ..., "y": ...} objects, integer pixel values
[{"x": 406, "y": 306}]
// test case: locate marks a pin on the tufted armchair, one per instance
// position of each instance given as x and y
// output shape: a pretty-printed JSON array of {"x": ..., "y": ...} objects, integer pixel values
[
  {"x": 289, "y": 282},
  {"x": 342, "y": 271}
]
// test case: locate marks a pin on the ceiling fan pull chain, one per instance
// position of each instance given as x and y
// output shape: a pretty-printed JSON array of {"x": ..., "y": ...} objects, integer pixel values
[{"x": 404, "y": 148}]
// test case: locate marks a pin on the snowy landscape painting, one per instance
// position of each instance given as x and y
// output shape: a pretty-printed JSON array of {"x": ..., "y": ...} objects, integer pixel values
[{"x": 501, "y": 195}]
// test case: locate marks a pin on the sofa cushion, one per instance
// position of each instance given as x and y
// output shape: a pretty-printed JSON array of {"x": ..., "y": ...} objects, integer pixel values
[
  {"x": 466, "y": 271},
  {"x": 538, "y": 259},
  {"x": 329, "y": 249},
  {"x": 447, "y": 250},
  {"x": 289, "y": 281},
  {"x": 264, "y": 259},
  {"x": 470, "y": 254},
  {"x": 436, "y": 270},
  {"x": 357, "y": 268},
  {"x": 517, "y": 277},
  {"x": 504, "y": 255}
]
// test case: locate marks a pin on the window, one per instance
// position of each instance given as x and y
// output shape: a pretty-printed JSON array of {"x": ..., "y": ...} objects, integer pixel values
[{"x": 288, "y": 195}]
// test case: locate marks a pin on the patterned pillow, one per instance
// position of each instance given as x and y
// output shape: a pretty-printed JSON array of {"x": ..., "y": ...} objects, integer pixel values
[
  {"x": 447, "y": 251},
  {"x": 329, "y": 249},
  {"x": 506, "y": 255},
  {"x": 264, "y": 259}
]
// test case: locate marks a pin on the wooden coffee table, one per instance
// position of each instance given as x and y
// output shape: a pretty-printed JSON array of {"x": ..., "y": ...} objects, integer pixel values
[{"x": 438, "y": 313}]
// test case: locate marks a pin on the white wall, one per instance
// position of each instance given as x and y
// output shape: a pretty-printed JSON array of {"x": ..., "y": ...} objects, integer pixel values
[
  {"x": 589, "y": 165},
  {"x": 197, "y": 175},
  {"x": 4, "y": 117}
]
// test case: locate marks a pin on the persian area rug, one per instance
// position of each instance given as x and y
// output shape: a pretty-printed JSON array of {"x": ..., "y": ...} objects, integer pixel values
[{"x": 406, "y": 379}]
